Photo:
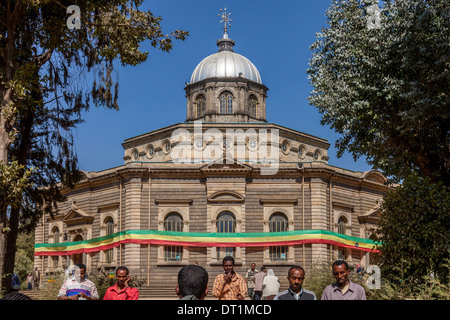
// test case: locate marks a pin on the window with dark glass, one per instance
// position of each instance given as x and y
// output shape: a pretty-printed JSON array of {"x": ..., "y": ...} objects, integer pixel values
[
  {"x": 109, "y": 254},
  {"x": 342, "y": 253},
  {"x": 226, "y": 223},
  {"x": 226, "y": 103},
  {"x": 252, "y": 106},
  {"x": 278, "y": 223},
  {"x": 200, "y": 104},
  {"x": 173, "y": 222},
  {"x": 56, "y": 239}
]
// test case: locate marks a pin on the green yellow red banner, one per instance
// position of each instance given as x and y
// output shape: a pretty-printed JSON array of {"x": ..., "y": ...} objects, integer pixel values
[{"x": 200, "y": 239}]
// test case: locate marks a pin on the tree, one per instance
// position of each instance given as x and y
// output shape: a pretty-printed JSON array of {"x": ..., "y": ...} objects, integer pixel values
[
  {"x": 24, "y": 256},
  {"x": 414, "y": 230},
  {"x": 381, "y": 80},
  {"x": 47, "y": 51}
]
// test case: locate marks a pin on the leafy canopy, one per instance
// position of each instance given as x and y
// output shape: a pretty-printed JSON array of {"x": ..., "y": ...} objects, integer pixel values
[
  {"x": 49, "y": 75},
  {"x": 385, "y": 88}
]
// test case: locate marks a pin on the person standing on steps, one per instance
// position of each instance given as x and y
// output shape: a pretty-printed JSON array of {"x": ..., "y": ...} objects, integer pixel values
[{"x": 229, "y": 285}]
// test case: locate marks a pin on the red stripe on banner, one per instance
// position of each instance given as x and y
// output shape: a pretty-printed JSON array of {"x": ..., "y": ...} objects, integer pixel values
[
  {"x": 202, "y": 244},
  {"x": 77, "y": 251}
]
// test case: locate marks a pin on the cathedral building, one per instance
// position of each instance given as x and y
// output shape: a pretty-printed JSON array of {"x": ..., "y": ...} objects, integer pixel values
[{"x": 224, "y": 182}]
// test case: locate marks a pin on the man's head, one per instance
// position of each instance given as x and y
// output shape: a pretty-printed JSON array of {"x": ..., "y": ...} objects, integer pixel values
[
  {"x": 340, "y": 272},
  {"x": 80, "y": 272},
  {"x": 228, "y": 264},
  {"x": 296, "y": 275},
  {"x": 192, "y": 280},
  {"x": 122, "y": 275},
  {"x": 253, "y": 266},
  {"x": 264, "y": 269}
]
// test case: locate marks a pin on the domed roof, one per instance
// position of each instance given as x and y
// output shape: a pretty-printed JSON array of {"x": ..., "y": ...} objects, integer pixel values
[{"x": 225, "y": 63}]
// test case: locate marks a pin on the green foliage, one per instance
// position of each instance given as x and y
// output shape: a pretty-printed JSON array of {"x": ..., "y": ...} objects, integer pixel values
[
  {"x": 24, "y": 261},
  {"x": 50, "y": 289},
  {"x": 428, "y": 288},
  {"x": 13, "y": 179},
  {"x": 386, "y": 90},
  {"x": 42, "y": 96},
  {"x": 414, "y": 230},
  {"x": 49, "y": 75},
  {"x": 318, "y": 278}
]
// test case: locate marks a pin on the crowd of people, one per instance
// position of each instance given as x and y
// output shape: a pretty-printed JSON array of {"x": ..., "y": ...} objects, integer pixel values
[{"x": 192, "y": 284}]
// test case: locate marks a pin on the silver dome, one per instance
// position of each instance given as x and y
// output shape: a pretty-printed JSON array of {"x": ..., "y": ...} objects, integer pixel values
[{"x": 225, "y": 64}]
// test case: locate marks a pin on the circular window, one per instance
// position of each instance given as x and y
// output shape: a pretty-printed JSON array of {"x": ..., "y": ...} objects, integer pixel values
[
  {"x": 150, "y": 151},
  {"x": 317, "y": 155},
  {"x": 134, "y": 155},
  {"x": 285, "y": 147},
  {"x": 199, "y": 144},
  {"x": 302, "y": 152},
  {"x": 252, "y": 144},
  {"x": 166, "y": 146},
  {"x": 227, "y": 143}
]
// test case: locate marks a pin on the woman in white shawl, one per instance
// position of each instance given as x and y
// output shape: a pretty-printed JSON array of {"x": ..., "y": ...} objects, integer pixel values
[{"x": 271, "y": 285}]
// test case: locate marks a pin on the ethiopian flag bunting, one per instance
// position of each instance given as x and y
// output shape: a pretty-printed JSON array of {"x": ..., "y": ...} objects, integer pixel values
[{"x": 201, "y": 239}]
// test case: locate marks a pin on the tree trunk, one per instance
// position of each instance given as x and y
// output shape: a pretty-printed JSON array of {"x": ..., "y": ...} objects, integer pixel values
[
  {"x": 10, "y": 252},
  {"x": 26, "y": 122},
  {"x": 4, "y": 144}
]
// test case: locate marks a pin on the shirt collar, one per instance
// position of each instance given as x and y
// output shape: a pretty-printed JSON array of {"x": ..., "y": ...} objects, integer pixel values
[
  {"x": 117, "y": 289},
  {"x": 295, "y": 294},
  {"x": 350, "y": 286}
]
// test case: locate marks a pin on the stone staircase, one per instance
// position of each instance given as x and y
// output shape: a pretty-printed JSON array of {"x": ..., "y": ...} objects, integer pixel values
[{"x": 157, "y": 293}]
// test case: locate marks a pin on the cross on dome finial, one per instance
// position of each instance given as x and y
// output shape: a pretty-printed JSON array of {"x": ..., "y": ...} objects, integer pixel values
[{"x": 226, "y": 20}]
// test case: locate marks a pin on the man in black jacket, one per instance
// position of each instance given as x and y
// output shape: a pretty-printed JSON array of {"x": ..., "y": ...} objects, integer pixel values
[{"x": 296, "y": 275}]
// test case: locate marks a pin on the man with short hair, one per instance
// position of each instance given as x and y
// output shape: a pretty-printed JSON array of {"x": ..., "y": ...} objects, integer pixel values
[
  {"x": 343, "y": 289},
  {"x": 122, "y": 289},
  {"x": 249, "y": 277},
  {"x": 36, "y": 278},
  {"x": 192, "y": 283},
  {"x": 229, "y": 285},
  {"x": 296, "y": 275},
  {"x": 259, "y": 280},
  {"x": 78, "y": 287}
]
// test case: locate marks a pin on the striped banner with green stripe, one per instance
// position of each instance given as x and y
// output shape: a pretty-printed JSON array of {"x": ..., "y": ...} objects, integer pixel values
[{"x": 202, "y": 239}]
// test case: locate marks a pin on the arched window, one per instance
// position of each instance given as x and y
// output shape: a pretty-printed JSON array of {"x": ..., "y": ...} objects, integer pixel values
[
  {"x": 226, "y": 103},
  {"x": 109, "y": 254},
  {"x": 226, "y": 223},
  {"x": 278, "y": 223},
  {"x": 341, "y": 225},
  {"x": 56, "y": 239},
  {"x": 200, "y": 104},
  {"x": 252, "y": 106},
  {"x": 56, "y": 235},
  {"x": 173, "y": 222}
]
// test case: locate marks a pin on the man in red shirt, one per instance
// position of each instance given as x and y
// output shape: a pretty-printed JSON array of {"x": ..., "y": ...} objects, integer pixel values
[{"x": 122, "y": 291}]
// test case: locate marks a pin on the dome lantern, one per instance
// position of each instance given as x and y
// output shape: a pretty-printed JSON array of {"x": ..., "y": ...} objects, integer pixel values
[{"x": 226, "y": 86}]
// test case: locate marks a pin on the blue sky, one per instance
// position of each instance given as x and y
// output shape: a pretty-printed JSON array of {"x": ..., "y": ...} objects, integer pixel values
[{"x": 274, "y": 35}]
